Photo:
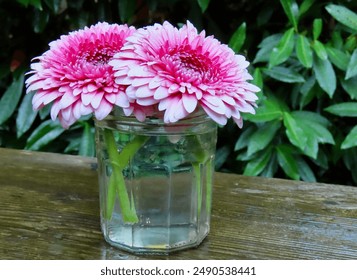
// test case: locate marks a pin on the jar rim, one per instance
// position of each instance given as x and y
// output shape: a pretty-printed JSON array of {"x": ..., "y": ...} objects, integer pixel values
[{"x": 196, "y": 117}]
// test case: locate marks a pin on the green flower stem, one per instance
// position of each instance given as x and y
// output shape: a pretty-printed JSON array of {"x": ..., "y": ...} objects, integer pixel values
[
  {"x": 209, "y": 185},
  {"x": 110, "y": 198},
  {"x": 197, "y": 172},
  {"x": 127, "y": 208},
  {"x": 117, "y": 182},
  {"x": 201, "y": 157},
  {"x": 199, "y": 153}
]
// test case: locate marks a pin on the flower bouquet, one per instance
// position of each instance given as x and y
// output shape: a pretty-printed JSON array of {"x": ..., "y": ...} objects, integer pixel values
[{"x": 156, "y": 94}]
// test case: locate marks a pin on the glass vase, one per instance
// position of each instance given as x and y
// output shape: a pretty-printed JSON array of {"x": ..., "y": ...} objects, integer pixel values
[{"x": 155, "y": 182}]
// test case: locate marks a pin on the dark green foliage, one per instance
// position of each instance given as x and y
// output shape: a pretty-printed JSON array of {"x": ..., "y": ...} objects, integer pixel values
[
  {"x": 309, "y": 67},
  {"x": 303, "y": 56}
]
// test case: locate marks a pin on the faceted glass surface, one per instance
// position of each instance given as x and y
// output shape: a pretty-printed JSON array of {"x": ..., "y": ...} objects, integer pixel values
[{"x": 168, "y": 181}]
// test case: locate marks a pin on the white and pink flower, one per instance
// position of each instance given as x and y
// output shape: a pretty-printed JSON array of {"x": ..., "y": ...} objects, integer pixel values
[
  {"x": 180, "y": 70},
  {"x": 154, "y": 69},
  {"x": 74, "y": 74}
]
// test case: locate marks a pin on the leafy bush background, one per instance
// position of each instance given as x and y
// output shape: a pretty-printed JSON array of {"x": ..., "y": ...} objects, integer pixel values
[{"x": 303, "y": 56}]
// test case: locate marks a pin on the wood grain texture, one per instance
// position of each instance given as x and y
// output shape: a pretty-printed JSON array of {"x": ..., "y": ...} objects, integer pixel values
[{"x": 50, "y": 210}]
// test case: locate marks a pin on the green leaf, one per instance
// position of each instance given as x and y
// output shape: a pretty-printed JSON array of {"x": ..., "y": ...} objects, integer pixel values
[
  {"x": 343, "y": 15},
  {"x": 272, "y": 166},
  {"x": 315, "y": 130},
  {"x": 270, "y": 110},
  {"x": 293, "y": 131},
  {"x": 261, "y": 138},
  {"x": 336, "y": 39},
  {"x": 350, "y": 159},
  {"x": 24, "y": 2},
  {"x": 73, "y": 145},
  {"x": 352, "y": 66},
  {"x": 308, "y": 91},
  {"x": 26, "y": 115},
  {"x": 317, "y": 28},
  {"x": 237, "y": 40},
  {"x": 350, "y": 86},
  {"x": 312, "y": 145},
  {"x": 284, "y": 49},
  {"x": 44, "y": 134},
  {"x": 258, "y": 163},
  {"x": 126, "y": 9},
  {"x": 291, "y": 11},
  {"x": 287, "y": 161},
  {"x": 303, "y": 51},
  {"x": 305, "y": 171},
  {"x": 242, "y": 156},
  {"x": 11, "y": 98},
  {"x": 270, "y": 41},
  {"x": 325, "y": 75},
  {"x": 284, "y": 74},
  {"x": 203, "y": 4},
  {"x": 321, "y": 133},
  {"x": 263, "y": 17},
  {"x": 339, "y": 58},
  {"x": 321, "y": 160},
  {"x": 345, "y": 109},
  {"x": 311, "y": 117},
  {"x": 54, "y": 5},
  {"x": 40, "y": 20},
  {"x": 306, "y": 88},
  {"x": 350, "y": 140},
  {"x": 87, "y": 145},
  {"x": 319, "y": 49},
  {"x": 244, "y": 138},
  {"x": 258, "y": 79},
  {"x": 266, "y": 47},
  {"x": 35, "y": 3},
  {"x": 305, "y": 6},
  {"x": 45, "y": 111},
  {"x": 351, "y": 43},
  {"x": 221, "y": 156}
]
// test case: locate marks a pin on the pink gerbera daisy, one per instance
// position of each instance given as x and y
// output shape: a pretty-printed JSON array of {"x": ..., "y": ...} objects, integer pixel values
[
  {"x": 75, "y": 75},
  {"x": 180, "y": 71}
]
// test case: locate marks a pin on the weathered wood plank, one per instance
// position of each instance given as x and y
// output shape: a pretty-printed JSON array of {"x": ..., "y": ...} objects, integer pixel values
[{"x": 50, "y": 210}]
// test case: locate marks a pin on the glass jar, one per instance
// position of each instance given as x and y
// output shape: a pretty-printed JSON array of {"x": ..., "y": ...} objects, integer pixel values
[{"x": 155, "y": 181}]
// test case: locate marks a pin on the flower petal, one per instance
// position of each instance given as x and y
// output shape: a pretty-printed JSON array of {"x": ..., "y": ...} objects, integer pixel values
[
  {"x": 143, "y": 92},
  {"x": 122, "y": 100},
  {"x": 67, "y": 100},
  {"x": 180, "y": 111},
  {"x": 218, "y": 118},
  {"x": 161, "y": 93},
  {"x": 146, "y": 101},
  {"x": 103, "y": 110},
  {"x": 55, "y": 110},
  {"x": 87, "y": 98},
  {"x": 97, "y": 99},
  {"x": 189, "y": 102}
]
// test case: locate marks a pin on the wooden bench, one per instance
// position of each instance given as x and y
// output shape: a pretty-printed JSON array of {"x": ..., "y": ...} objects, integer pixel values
[{"x": 50, "y": 210}]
